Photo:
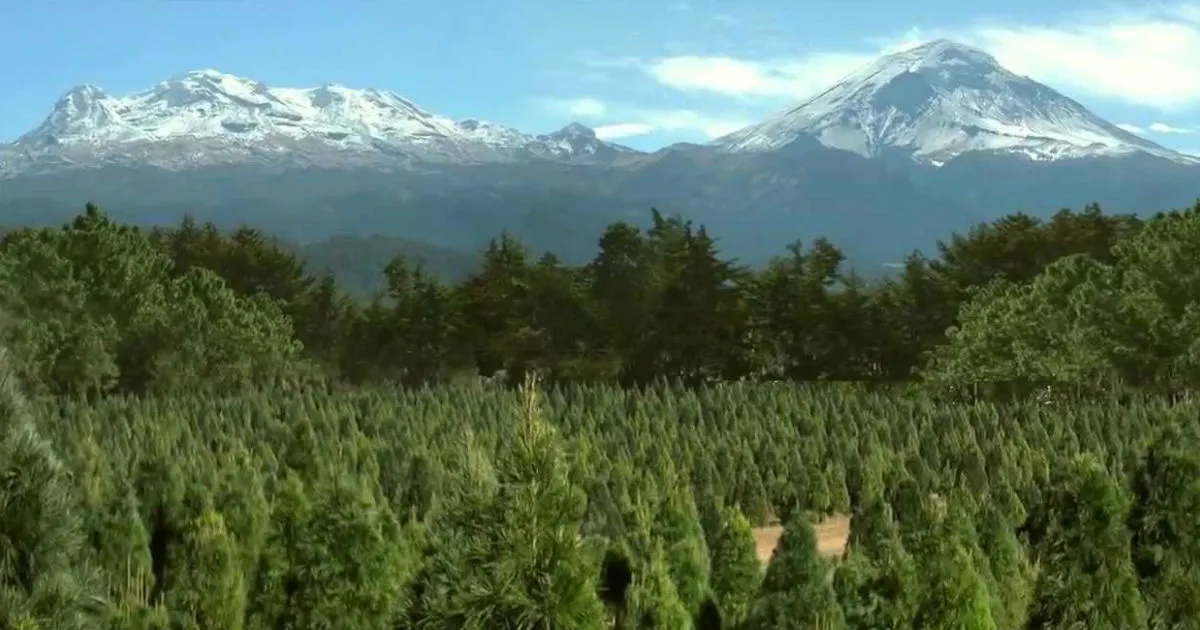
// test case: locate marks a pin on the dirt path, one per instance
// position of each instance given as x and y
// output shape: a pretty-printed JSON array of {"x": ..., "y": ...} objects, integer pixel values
[{"x": 832, "y": 534}]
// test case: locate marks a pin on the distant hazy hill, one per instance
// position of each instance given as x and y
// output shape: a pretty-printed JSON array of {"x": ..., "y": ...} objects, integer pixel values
[{"x": 358, "y": 261}]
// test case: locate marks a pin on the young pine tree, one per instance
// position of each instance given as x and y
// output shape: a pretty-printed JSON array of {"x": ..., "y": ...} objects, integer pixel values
[
  {"x": 208, "y": 592},
  {"x": 1166, "y": 533},
  {"x": 505, "y": 550},
  {"x": 1086, "y": 579},
  {"x": 654, "y": 604},
  {"x": 797, "y": 591},
  {"x": 956, "y": 594},
  {"x": 736, "y": 571}
]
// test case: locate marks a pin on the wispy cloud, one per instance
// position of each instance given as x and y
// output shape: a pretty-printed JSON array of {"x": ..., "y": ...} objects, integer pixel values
[
  {"x": 737, "y": 77},
  {"x": 1165, "y": 128},
  {"x": 689, "y": 120},
  {"x": 584, "y": 108},
  {"x": 1143, "y": 60},
  {"x": 617, "y": 120},
  {"x": 1158, "y": 127},
  {"x": 1147, "y": 58},
  {"x": 623, "y": 130}
]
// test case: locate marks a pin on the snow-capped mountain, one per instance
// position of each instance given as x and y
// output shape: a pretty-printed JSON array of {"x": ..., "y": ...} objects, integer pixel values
[
  {"x": 939, "y": 100},
  {"x": 206, "y": 117}
]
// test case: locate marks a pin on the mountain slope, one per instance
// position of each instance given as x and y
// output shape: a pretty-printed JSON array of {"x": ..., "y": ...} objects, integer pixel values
[
  {"x": 937, "y": 101},
  {"x": 206, "y": 118},
  {"x": 891, "y": 159}
]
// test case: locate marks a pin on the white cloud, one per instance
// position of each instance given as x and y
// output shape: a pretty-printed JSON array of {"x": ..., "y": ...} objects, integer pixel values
[
  {"x": 688, "y": 120},
  {"x": 726, "y": 75},
  {"x": 618, "y": 120},
  {"x": 586, "y": 108},
  {"x": 1165, "y": 128},
  {"x": 1148, "y": 58},
  {"x": 575, "y": 108},
  {"x": 1143, "y": 61},
  {"x": 623, "y": 130},
  {"x": 671, "y": 120},
  {"x": 1131, "y": 128}
]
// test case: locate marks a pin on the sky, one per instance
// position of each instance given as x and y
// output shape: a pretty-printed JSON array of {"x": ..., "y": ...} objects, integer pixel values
[{"x": 645, "y": 73}]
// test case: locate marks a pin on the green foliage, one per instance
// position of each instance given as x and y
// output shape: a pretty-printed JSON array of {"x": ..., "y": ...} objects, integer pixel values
[
  {"x": 505, "y": 548},
  {"x": 957, "y": 594},
  {"x": 43, "y": 578},
  {"x": 1086, "y": 321},
  {"x": 298, "y": 509},
  {"x": 208, "y": 591},
  {"x": 736, "y": 571},
  {"x": 654, "y": 602},
  {"x": 1085, "y": 577},
  {"x": 797, "y": 590},
  {"x": 250, "y": 484},
  {"x": 94, "y": 309},
  {"x": 1166, "y": 532}
]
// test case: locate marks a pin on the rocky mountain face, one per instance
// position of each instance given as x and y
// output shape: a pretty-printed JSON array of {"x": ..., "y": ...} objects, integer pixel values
[{"x": 891, "y": 158}]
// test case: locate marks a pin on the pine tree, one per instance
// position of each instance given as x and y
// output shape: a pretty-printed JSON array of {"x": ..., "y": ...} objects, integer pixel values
[
  {"x": 677, "y": 525},
  {"x": 878, "y": 583},
  {"x": 956, "y": 593},
  {"x": 207, "y": 592},
  {"x": 1166, "y": 532},
  {"x": 654, "y": 604},
  {"x": 1012, "y": 576},
  {"x": 736, "y": 570},
  {"x": 43, "y": 580},
  {"x": 505, "y": 549},
  {"x": 1086, "y": 578},
  {"x": 797, "y": 591}
]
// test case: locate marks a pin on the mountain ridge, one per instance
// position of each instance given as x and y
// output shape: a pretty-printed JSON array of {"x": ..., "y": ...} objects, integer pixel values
[
  {"x": 206, "y": 117},
  {"x": 930, "y": 103},
  {"x": 435, "y": 182}
]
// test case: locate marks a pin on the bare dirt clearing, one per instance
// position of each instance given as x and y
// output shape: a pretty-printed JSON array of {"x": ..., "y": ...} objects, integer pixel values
[{"x": 832, "y": 534}]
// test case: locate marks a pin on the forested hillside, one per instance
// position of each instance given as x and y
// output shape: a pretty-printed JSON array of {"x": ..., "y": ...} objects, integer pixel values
[{"x": 199, "y": 433}]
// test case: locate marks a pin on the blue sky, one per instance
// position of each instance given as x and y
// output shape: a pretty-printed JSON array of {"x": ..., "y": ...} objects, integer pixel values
[{"x": 648, "y": 72}]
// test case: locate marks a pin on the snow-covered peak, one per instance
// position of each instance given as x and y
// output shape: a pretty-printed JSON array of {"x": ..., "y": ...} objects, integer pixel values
[
  {"x": 576, "y": 130},
  {"x": 937, "y": 101},
  {"x": 942, "y": 55},
  {"x": 206, "y": 116}
]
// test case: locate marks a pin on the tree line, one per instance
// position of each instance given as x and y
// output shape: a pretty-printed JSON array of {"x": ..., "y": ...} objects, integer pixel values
[{"x": 1083, "y": 298}]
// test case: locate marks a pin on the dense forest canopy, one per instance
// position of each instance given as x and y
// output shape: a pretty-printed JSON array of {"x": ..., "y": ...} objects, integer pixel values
[
  {"x": 1081, "y": 298},
  {"x": 198, "y": 433}
]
